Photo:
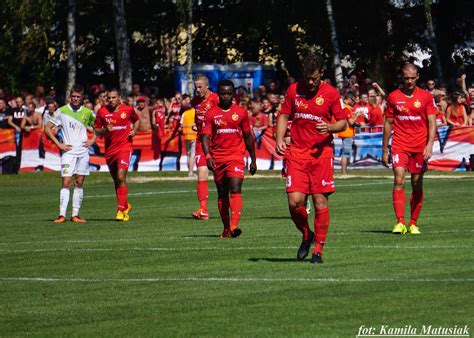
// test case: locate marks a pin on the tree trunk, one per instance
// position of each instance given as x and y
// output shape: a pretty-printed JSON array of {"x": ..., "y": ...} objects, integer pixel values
[
  {"x": 71, "y": 46},
  {"x": 189, "y": 70},
  {"x": 432, "y": 40},
  {"x": 335, "y": 46},
  {"x": 123, "y": 48}
]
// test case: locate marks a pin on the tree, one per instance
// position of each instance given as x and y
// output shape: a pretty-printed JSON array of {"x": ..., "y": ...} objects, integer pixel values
[
  {"x": 335, "y": 46},
  {"x": 123, "y": 48},
  {"x": 71, "y": 45}
]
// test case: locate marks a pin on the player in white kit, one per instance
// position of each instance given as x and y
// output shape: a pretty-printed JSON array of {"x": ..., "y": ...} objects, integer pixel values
[{"x": 73, "y": 119}]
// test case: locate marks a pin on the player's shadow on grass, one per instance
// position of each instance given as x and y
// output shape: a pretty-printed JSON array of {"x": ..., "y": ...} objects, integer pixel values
[
  {"x": 272, "y": 217},
  {"x": 383, "y": 232},
  {"x": 273, "y": 260}
]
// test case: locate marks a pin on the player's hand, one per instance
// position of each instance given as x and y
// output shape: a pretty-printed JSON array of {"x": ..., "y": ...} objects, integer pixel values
[
  {"x": 428, "y": 152},
  {"x": 65, "y": 147},
  {"x": 132, "y": 133},
  {"x": 253, "y": 168},
  {"x": 322, "y": 127},
  {"x": 210, "y": 164},
  {"x": 194, "y": 127},
  {"x": 88, "y": 143},
  {"x": 109, "y": 127},
  {"x": 18, "y": 129},
  {"x": 281, "y": 148},
  {"x": 385, "y": 158}
]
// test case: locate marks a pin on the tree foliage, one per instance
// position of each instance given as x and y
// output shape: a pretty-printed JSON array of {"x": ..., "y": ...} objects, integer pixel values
[{"x": 372, "y": 35}]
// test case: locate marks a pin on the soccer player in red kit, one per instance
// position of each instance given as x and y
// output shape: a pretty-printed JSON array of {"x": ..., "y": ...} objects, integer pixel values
[
  {"x": 310, "y": 104},
  {"x": 118, "y": 123},
  {"x": 202, "y": 103},
  {"x": 411, "y": 114},
  {"x": 226, "y": 133}
]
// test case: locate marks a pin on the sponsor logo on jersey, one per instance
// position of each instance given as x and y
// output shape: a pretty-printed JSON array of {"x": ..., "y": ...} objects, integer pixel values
[
  {"x": 235, "y": 117},
  {"x": 308, "y": 116},
  {"x": 227, "y": 131},
  {"x": 408, "y": 118},
  {"x": 123, "y": 115},
  {"x": 319, "y": 101},
  {"x": 300, "y": 104},
  {"x": 324, "y": 183},
  {"x": 417, "y": 104}
]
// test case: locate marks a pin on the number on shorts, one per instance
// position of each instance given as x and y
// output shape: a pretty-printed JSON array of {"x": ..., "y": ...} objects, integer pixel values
[
  {"x": 395, "y": 158},
  {"x": 288, "y": 181}
]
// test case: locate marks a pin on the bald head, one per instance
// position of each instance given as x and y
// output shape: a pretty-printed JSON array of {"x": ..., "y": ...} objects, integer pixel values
[{"x": 410, "y": 67}]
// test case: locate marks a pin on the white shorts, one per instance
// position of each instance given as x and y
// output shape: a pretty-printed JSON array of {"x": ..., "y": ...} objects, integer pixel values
[{"x": 74, "y": 165}]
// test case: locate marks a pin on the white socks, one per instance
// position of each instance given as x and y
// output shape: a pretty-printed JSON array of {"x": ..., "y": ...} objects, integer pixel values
[
  {"x": 63, "y": 201},
  {"x": 77, "y": 201}
]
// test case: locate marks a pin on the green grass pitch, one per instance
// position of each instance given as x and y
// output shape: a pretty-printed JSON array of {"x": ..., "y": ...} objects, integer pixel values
[{"x": 165, "y": 274}]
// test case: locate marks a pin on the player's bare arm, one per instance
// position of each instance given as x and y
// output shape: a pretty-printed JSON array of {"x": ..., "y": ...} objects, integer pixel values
[
  {"x": 205, "y": 139},
  {"x": 428, "y": 152},
  {"x": 250, "y": 145},
  {"x": 282, "y": 124},
  {"x": 387, "y": 131},
  {"x": 134, "y": 130},
  {"x": 49, "y": 131}
]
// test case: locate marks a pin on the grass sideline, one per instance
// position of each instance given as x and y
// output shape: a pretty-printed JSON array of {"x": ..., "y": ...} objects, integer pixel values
[{"x": 164, "y": 274}]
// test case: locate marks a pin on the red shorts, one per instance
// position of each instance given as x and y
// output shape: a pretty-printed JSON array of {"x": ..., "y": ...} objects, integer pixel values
[
  {"x": 200, "y": 157},
  {"x": 118, "y": 160},
  {"x": 232, "y": 168},
  {"x": 310, "y": 176},
  {"x": 413, "y": 162}
]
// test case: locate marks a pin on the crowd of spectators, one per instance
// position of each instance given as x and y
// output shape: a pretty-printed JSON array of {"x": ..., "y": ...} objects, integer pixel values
[{"x": 27, "y": 111}]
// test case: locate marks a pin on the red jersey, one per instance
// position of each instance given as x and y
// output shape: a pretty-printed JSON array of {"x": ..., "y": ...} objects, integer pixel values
[
  {"x": 456, "y": 115},
  {"x": 202, "y": 105},
  {"x": 258, "y": 121},
  {"x": 307, "y": 110},
  {"x": 376, "y": 116},
  {"x": 117, "y": 140},
  {"x": 160, "y": 120},
  {"x": 364, "y": 110},
  {"x": 226, "y": 128},
  {"x": 410, "y": 114}
]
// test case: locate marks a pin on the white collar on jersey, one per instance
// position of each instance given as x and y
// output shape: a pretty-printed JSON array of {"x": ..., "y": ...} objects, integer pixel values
[{"x": 80, "y": 108}]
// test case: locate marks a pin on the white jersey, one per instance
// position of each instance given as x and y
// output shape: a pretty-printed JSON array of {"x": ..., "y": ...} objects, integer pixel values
[{"x": 74, "y": 127}]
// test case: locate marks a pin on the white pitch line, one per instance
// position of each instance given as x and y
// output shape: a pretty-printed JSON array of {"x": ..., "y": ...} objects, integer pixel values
[
  {"x": 214, "y": 190},
  {"x": 234, "y": 279},
  {"x": 242, "y": 248},
  {"x": 335, "y": 234}
]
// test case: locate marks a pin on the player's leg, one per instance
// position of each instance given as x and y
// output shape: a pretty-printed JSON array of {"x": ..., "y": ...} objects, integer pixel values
[
  {"x": 77, "y": 198},
  {"x": 82, "y": 170},
  {"x": 235, "y": 189},
  {"x": 64, "y": 196},
  {"x": 321, "y": 225},
  {"x": 400, "y": 161},
  {"x": 417, "y": 167},
  {"x": 399, "y": 199},
  {"x": 68, "y": 163},
  {"x": 223, "y": 204},
  {"x": 297, "y": 188},
  {"x": 202, "y": 190},
  {"x": 299, "y": 216}
]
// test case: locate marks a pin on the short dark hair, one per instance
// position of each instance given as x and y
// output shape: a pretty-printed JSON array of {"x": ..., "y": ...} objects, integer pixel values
[
  {"x": 77, "y": 88},
  {"x": 113, "y": 89},
  {"x": 311, "y": 63},
  {"x": 225, "y": 83}
]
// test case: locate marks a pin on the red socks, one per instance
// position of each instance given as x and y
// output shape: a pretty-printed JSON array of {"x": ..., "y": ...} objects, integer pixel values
[
  {"x": 399, "y": 204},
  {"x": 321, "y": 225},
  {"x": 122, "y": 192},
  {"x": 235, "y": 208},
  {"x": 223, "y": 205},
  {"x": 416, "y": 201},
  {"x": 300, "y": 218},
  {"x": 203, "y": 194}
]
